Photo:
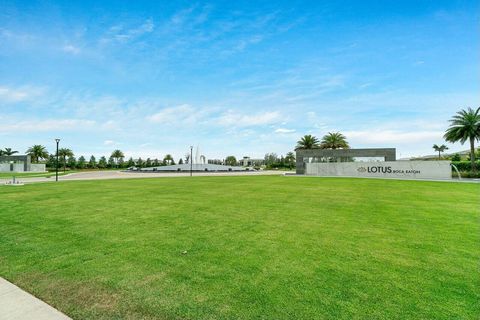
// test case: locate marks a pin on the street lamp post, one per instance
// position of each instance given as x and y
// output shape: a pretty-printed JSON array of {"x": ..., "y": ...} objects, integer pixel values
[
  {"x": 56, "y": 161},
  {"x": 191, "y": 160}
]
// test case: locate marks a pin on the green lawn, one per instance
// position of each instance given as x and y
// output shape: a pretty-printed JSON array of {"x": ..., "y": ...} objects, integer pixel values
[{"x": 264, "y": 247}]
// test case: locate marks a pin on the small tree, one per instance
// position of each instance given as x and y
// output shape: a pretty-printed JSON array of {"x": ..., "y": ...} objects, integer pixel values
[
  {"x": 92, "y": 163},
  {"x": 271, "y": 159},
  {"x": 180, "y": 161},
  {"x": 439, "y": 149},
  {"x": 81, "y": 162},
  {"x": 37, "y": 152},
  {"x": 334, "y": 140},
  {"x": 64, "y": 153},
  {"x": 168, "y": 159},
  {"x": 102, "y": 162},
  {"x": 117, "y": 155},
  {"x": 72, "y": 162},
  {"x": 307, "y": 142},
  {"x": 9, "y": 152},
  {"x": 231, "y": 161},
  {"x": 130, "y": 163},
  {"x": 290, "y": 160},
  {"x": 465, "y": 126},
  {"x": 51, "y": 162},
  {"x": 148, "y": 163},
  {"x": 111, "y": 163}
]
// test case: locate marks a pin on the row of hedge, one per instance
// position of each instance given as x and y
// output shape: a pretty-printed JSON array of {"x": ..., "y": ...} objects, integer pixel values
[{"x": 465, "y": 166}]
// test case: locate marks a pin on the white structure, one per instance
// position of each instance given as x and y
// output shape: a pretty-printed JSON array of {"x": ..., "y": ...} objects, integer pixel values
[
  {"x": 19, "y": 163},
  {"x": 384, "y": 169}
]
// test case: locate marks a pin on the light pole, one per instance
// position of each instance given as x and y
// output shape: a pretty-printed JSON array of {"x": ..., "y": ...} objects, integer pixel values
[
  {"x": 56, "y": 161},
  {"x": 191, "y": 160}
]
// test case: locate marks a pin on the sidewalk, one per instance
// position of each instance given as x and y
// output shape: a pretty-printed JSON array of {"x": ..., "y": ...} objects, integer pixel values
[{"x": 16, "y": 304}]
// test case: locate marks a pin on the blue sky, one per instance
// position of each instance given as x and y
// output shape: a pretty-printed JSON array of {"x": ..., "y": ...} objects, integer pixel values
[{"x": 234, "y": 77}]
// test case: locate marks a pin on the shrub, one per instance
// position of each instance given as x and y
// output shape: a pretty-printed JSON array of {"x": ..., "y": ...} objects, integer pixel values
[{"x": 465, "y": 165}]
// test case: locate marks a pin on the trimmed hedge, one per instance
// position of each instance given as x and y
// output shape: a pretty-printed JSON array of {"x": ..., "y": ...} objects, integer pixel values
[{"x": 465, "y": 165}]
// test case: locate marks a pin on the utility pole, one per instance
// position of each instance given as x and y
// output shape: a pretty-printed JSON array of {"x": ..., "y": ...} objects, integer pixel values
[
  {"x": 191, "y": 160},
  {"x": 56, "y": 161}
]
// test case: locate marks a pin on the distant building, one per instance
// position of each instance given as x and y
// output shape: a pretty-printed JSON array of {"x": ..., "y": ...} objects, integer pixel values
[
  {"x": 248, "y": 162},
  {"x": 19, "y": 163}
]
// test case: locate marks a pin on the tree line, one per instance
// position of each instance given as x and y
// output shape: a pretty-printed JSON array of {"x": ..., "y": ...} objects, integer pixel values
[{"x": 67, "y": 159}]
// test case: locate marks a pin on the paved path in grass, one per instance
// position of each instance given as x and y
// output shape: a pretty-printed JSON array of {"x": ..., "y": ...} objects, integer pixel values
[
  {"x": 109, "y": 174},
  {"x": 16, "y": 304}
]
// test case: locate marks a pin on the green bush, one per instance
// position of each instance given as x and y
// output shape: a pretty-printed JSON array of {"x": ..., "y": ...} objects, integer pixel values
[
  {"x": 465, "y": 165},
  {"x": 456, "y": 157},
  {"x": 469, "y": 174}
]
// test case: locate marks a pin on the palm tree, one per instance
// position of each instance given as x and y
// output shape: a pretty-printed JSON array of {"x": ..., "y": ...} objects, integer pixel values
[
  {"x": 307, "y": 142},
  {"x": 439, "y": 149},
  {"x": 334, "y": 140},
  {"x": 168, "y": 159},
  {"x": 465, "y": 125},
  {"x": 2, "y": 152},
  {"x": 9, "y": 152},
  {"x": 64, "y": 153},
  {"x": 290, "y": 159},
  {"x": 37, "y": 152},
  {"x": 117, "y": 155}
]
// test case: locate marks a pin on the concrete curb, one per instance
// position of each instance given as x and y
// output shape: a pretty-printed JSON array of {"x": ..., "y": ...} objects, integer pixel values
[{"x": 16, "y": 304}]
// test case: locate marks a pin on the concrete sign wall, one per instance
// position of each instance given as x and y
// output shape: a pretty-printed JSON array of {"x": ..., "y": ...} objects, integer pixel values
[{"x": 387, "y": 169}]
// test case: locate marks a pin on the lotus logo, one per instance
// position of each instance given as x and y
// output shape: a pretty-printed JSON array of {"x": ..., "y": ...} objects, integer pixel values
[{"x": 362, "y": 169}]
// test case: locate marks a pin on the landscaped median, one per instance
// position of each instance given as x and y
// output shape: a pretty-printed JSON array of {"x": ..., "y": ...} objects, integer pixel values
[{"x": 245, "y": 247}]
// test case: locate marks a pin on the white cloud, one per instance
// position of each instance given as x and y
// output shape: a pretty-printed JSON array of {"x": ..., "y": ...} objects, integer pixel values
[
  {"x": 179, "y": 114},
  {"x": 9, "y": 94},
  {"x": 108, "y": 142},
  {"x": 71, "y": 49},
  {"x": 389, "y": 137},
  {"x": 47, "y": 125},
  {"x": 235, "y": 119},
  {"x": 284, "y": 130},
  {"x": 121, "y": 35}
]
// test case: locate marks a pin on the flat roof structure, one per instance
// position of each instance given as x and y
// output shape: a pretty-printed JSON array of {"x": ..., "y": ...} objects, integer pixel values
[
  {"x": 195, "y": 167},
  {"x": 25, "y": 159},
  {"x": 317, "y": 155}
]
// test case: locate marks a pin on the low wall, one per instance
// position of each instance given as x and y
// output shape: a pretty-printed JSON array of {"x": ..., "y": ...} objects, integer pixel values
[
  {"x": 37, "y": 167},
  {"x": 19, "y": 167},
  {"x": 386, "y": 169}
]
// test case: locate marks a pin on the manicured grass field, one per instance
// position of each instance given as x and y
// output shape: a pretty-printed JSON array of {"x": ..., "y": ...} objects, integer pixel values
[{"x": 262, "y": 247}]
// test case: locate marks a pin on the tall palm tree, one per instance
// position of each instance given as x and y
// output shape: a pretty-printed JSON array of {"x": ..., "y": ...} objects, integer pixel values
[
  {"x": 9, "y": 152},
  {"x": 64, "y": 153},
  {"x": 439, "y": 149},
  {"x": 334, "y": 140},
  {"x": 117, "y": 155},
  {"x": 37, "y": 152},
  {"x": 307, "y": 142},
  {"x": 465, "y": 125}
]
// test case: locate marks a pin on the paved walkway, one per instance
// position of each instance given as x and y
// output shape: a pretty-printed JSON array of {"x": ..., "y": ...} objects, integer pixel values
[
  {"x": 109, "y": 174},
  {"x": 16, "y": 304}
]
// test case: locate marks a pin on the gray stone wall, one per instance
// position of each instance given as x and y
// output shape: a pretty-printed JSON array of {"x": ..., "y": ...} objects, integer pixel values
[{"x": 389, "y": 154}]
